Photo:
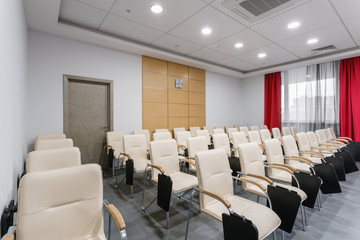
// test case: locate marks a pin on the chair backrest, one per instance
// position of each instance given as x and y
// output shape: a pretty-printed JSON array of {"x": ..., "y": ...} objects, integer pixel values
[
  {"x": 238, "y": 138},
  {"x": 332, "y": 132},
  {"x": 135, "y": 146},
  {"x": 219, "y": 130},
  {"x": 47, "y": 144},
  {"x": 181, "y": 137},
  {"x": 161, "y": 136},
  {"x": 51, "y": 136},
  {"x": 286, "y": 131},
  {"x": 254, "y": 136},
  {"x": 276, "y": 133},
  {"x": 251, "y": 160},
  {"x": 294, "y": 131},
  {"x": 221, "y": 141},
  {"x": 274, "y": 154},
  {"x": 205, "y": 134},
  {"x": 230, "y": 131},
  {"x": 161, "y": 130},
  {"x": 264, "y": 127},
  {"x": 219, "y": 127},
  {"x": 290, "y": 148},
  {"x": 312, "y": 139},
  {"x": 327, "y": 134},
  {"x": 210, "y": 130},
  {"x": 164, "y": 153},
  {"x": 193, "y": 131},
  {"x": 321, "y": 136},
  {"x": 61, "y": 204},
  {"x": 196, "y": 144},
  {"x": 245, "y": 130},
  {"x": 52, "y": 159},
  {"x": 265, "y": 134},
  {"x": 146, "y": 132},
  {"x": 214, "y": 174},
  {"x": 175, "y": 130},
  {"x": 254, "y": 128},
  {"x": 303, "y": 142},
  {"x": 238, "y": 126},
  {"x": 115, "y": 139}
]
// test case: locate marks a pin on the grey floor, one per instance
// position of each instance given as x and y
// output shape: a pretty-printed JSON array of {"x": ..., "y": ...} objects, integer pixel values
[{"x": 339, "y": 217}]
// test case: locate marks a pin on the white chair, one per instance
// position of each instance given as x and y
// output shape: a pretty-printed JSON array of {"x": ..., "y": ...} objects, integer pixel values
[
  {"x": 315, "y": 144},
  {"x": 219, "y": 130},
  {"x": 161, "y": 136},
  {"x": 230, "y": 131},
  {"x": 238, "y": 138},
  {"x": 286, "y": 131},
  {"x": 205, "y": 134},
  {"x": 47, "y": 144},
  {"x": 181, "y": 139},
  {"x": 254, "y": 128},
  {"x": 146, "y": 132},
  {"x": 114, "y": 141},
  {"x": 277, "y": 134},
  {"x": 175, "y": 130},
  {"x": 254, "y": 136},
  {"x": 321, "y": 136},
  {"x": 245, "y": 130},
  {"x": 333, "y": 135},
  {"x": 209, "y": 129},
  {"x": 50, "y": 136},
  {"x": 221, "y": 141},
  {"x": 265, "y": 135},
  {"x": 294, "y": 131},
  {"x": 161, "y": 130},
  {"x": 193, "y": 131},
  {"x": 195, "y": 145},
  {"x": 305, "y": 147},
  {"x": 264, "y": 127}
]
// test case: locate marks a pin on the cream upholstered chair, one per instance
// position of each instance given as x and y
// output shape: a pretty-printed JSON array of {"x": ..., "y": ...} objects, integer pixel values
[
  {"x": 254, "y": 136},
  {"x": 193, "y": 131},
  {"x": 265, "y": 135},
  {"x": 114, "y": 144},
  {"x": 161, "y": 130},
  {"x": 217, "y": 193},
  {"x": 254, "y": 128},
  {"x": 195, "y": 145},
  {"x": 245, "y": 130},
  {"x": 175, "y": 130},
  {"x": 277, "y": 134},
  {"x": 238, "y": 126},
  {"x": 165, "y": 160},
  {"x": 209, "y": 129},
  {"x": 161, "y": 136},
  {"x": 135, "y": 148},
  {"x": 230, "y": 131},
  {"x": 52, "y": 159},
  {"x": 264, "y": 127},
  {"x": 286, "y": 131},
  {"x": 315, "y": 144},
  {"x": 46, "y": 144},
  {"x": 333, "y": 135},
  {"x": 221, "y": 141},
  {"x": 181, "y": 139},
  {"x": 305, "y": 147},
  {"x": 322, "y": 139},
  {"x": 63, "y": 204},
  {"x": 294, "y": 131},
  {"x": 238, "y": 138},
  {"x": 205, "y": 134},
  {"x": 146, "y": 132},
  {"x": 51, "y": 136},
  {"x": 219, "y": 130}
]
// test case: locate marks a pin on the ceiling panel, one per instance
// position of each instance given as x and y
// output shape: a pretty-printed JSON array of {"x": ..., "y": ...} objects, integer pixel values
[
  {"x": 238, "y": 64},
  {"x": 127, "y": 29},
  {"x": 249, "y": 38},
  {"x": 208, "y": 55},
  {"x": 103, "y": 4},
  {"x": 221, "y": 25},
  {"x": 175, "y": 44},
  {"x": 81, "y": 14},
  {"x": 326, "y": 36},
  {"x": 312, "y": 15},
  {"x": 347, "y": 8},
  {"x": 354, "y": 27},
  {"x": 174, "y": 12}
]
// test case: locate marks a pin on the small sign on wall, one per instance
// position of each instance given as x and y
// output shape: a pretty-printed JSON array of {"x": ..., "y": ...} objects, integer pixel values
[{"x": 178, "y": 83}]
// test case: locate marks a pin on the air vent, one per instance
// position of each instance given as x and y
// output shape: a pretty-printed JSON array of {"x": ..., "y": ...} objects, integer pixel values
[
  {"x": 326, "y": 48},
  {"x": 254, "y": 10}
]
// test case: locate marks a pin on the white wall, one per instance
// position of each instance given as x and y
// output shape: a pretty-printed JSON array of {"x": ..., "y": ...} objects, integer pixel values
[
  {"x": 253, "y": 100},
  {"x": 224, "y": 102},
  {"x": 50, "y": 57},
  {"x": 12, "y": 97}
]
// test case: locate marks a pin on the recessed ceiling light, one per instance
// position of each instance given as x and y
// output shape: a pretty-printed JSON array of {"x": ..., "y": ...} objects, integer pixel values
[
  {"x": 261, "y": 55},
  {"x": 293, "y": 25},
  {"x": 206, "y": 31},
  {"x": 312, "y": 41},
  {"x": 239, "y": 45},
  {"x": 156, "y": 8}
]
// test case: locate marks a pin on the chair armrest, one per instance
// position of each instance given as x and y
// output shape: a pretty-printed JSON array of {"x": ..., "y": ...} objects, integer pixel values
[
  {"x": 192, "y": 158},
  {"x": 182, "y": 147},
  {"x": 261, "y": 146},
  {"x": 260, "y": 177},
  {"x": 244, "y": 179},
  {"x": 218, "y": 197},
  {"x": 323, "y": 148},
  {"x": 341, "y": 140},
  {"x": 157, "y": 167},
  {"x": 188, "y": 161},
  {"x": 348, "y": 138},
  {"x": 337, "y": 142},
  {"x": 314, "y": 153},
  {"x": 108, "y": 146},
  {"x": 330, "y": 145},
  {"x": 235, "y": 149},
  {"x": 300, "y": 159},
  {"x": 117, "y": 216},
  {"x": 282, "y": 168},
  {"x": 228, "y": 155},
  {"x": 125, "y": 154},
  {"x": 9, "y": 237},
  {"x": 286, "y": 166}
]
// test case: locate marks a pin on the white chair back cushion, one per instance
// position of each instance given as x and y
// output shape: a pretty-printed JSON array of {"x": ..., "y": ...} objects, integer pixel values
[
  {"x": 276, "y": 133},
  {"x": 181, "y": 137},
  {"x": 193, "y": 131},
  {"x": 178, "y": 130},
  {"x": 254, "y": 128},
  {"x": 221, "y": 141},
  {"x": 161, "y": 136},
  {"x": 115, "y": 139},
  {"x": 146, "y": 132},
  {"x": 161, "y": 130},
  {"x": 205, "y": 134},
  {"x": 51, "y": 136},
  {"x": 135, "y": 146},
  {"x": 303, "y": 142},
  {"x": 294, "y": 131},
  {"x": 52, "y": 159},
  {"x": 218, "y": 130},
  {"x": 238, "y": 138},
  {"x": 332, "y": 132},
  {"x": 312, "y": 139},
  {"x": 321, "y": 136},
  {"x": 264, "y": 127},
  {"x": 265, "y": 134},
  {"x": 290, "y": 148},
  {"x": 286, "y": 131},
  {"x": 196, "y": 144},
  {"x": 245, "y": 130},
  {"x": 273, "y": 151},
  {"x": 164, "y": 153},
  {"x": 230, "y": 131},
  {"x": 47, "y": 144},
  {"x": 254, "y": 136}
]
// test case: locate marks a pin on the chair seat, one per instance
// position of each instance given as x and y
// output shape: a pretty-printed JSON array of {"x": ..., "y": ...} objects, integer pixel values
[
  {"x": 303, "y": 167},
  {"x": 140, "y": 165},
  {"x": 263, "y": 217},
  {"x": 315, "y": 160},
  {"x": 182, "y": 181},
  {"x": 280, "y": 176},
  {"x": 254, "y": 189}
]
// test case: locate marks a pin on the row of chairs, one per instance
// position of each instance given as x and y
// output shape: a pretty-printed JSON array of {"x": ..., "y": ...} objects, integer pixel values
[{"x": 58, "y": 198}]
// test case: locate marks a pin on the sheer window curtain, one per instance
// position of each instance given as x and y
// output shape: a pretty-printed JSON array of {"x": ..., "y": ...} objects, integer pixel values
[{"x": 310, "y": 97}]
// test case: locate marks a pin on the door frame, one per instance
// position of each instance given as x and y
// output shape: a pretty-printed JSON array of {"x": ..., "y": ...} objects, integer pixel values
[{"x": 72, "y": 78}]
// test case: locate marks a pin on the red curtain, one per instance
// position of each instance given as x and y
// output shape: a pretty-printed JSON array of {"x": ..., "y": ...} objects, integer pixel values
[
  {"x": 272, "y": 115},
  {"x": 350, "y": 98}
]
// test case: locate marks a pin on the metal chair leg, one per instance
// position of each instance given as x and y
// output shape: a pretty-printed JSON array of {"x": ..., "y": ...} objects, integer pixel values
[
  {"x": 302, "y": 218},
  {"x": 168, "y": 220},
  {"x": 189, "y": 213},
  {"x": 109, "y": 230},
  {"x": 305, "y": 214},
  {"x": 132, "y": 191},
  {"x": 282, "y": 235},
  {"x": 274, "y": 234}
]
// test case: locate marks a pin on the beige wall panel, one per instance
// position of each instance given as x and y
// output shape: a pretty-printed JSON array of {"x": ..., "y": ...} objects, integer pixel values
[
  {"x": 154, "y": 65},
  {"x": 154, "y": 123},
  {"x": 196, "y": 86},
  {"x": 178, "y": 110},
  {"x": 178, "y": 122},
  {"x": 196, "y": 98},
  {"x": 197, "y": 122},
  {"x": 178, "y": 70},
  {"x": 154, "y": 95},
  {"x": 155, "y": 110},
  {"x": 171, "y": 83},
  {"x": 196, "y": 73},
  {"x": 157, "y": 80},
  {"x": 196, "y": 110},
  {"x": 176, "y": 96}
]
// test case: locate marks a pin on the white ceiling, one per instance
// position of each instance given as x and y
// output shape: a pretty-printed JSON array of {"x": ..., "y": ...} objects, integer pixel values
[{"x": 175, "y": 34}]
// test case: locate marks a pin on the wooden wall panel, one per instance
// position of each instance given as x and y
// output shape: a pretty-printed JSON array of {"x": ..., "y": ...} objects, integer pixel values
[
  {"x": 196, "y": 98},
  {"x": 196, "y": 73},
  {"x": 176, "y": 96},
  {"x": 178, "y": 122},
  {"x": 178, "y": 110},
  {"x": 154, "y": 123},
  {"x": 171, "y": 83},
  {"x": 157, "y": 80},
  {"x": 196, "y": 111},
  {"x": 197, "y": 122},
  {"x": 154, "y": 65},
  {"x": 196, "y": 86},
  {"x": 178, "y": 70},
  {"x": 155, "y": 110},
  {"x": 154, "y": 95}
]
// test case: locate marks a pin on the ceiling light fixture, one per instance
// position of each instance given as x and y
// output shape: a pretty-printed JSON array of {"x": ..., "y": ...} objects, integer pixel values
[
  {"x": 312, "y": 41},
  {"x": 156, "y": 8},
  {"x": 261, "y": 55},
  {"x": 206, "y": 31},
  {"x": 239, "y": 45},
  {"x": 293, "y": 25}
]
